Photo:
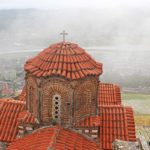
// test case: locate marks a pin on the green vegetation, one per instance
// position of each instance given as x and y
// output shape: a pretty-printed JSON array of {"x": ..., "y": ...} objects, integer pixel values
[
  {"x": 135, "y": 96},
  {"x": 139, "y": 102},
  {"x": 141, "y": 105}
]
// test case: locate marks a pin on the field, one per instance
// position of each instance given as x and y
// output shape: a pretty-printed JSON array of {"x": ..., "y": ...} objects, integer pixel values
[{"x": 141, "y": 105}]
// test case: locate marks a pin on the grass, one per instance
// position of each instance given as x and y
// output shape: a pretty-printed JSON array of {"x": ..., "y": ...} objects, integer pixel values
[
  {"x": 142, "y": 120},
  {"x": 141, "y": 105},
  {"x": 135, "y": 96},
  {"x": 139, "y": 102}
]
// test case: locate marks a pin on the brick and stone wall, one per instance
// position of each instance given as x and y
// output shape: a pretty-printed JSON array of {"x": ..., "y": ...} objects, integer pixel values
[
  {"x": 58, "y": 100},
  {"x": 85, "y": 98},
  {"x": 32, "y": 95}
]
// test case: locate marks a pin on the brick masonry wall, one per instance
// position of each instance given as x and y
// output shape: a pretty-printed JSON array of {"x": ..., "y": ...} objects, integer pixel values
[
  {"x": 78, "y": 98},
  {"x": 32, "y": 95},
  {"x": 85, "y": 98}
]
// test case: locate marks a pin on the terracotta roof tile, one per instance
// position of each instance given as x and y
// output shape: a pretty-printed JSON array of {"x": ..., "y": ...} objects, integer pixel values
[
  {"x": 55, "y": 138},
  {"x": 66, "y": 57},
  {"x": 117, "y": 122},
  {"x": 109, "y": 94},
  {"x": 9, "y": 111},
  {"x": 27, "y": 118}
]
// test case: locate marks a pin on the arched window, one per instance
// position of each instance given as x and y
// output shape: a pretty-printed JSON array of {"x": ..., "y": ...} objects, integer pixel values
[{"x": 56, "y": 107}]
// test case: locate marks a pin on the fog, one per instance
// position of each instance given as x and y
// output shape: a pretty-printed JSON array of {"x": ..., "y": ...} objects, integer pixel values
[
  {"x": 99, "y": 23},
  {"x": 115, "y": 32}
]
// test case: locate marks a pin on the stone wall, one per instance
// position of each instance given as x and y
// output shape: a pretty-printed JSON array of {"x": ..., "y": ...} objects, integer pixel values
[{"x": 3, "y": 145}]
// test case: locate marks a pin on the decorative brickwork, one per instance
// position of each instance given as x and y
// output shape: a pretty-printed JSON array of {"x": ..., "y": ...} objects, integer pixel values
[
  {"x": 51, "y": 90},
  {"x": 85, "y": 99},
  {"x": 32, "y": 95}
]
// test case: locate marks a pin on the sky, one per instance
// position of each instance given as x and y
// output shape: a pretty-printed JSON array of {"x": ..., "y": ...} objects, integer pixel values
[
  {"x": 121, "y": 22},
  {"x": 46, "y": 4}
]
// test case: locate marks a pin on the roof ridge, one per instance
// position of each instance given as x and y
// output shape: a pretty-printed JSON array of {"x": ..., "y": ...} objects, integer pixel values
[
  {"x": 106, "y": 83},
  {"x": 54, "y": 137},
  {"x": 7, "y": 100}
]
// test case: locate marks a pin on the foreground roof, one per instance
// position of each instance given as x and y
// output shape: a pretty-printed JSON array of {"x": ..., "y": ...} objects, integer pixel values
[
  {"x": 55, "y": 138},
  {"x": 9, "y": 111},
  {"x": 63, "y": 59},
  {"x": 117, "y": 122}
]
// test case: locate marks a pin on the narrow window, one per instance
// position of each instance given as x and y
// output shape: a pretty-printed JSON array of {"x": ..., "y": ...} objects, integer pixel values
[{"x": 56, "y": 107}]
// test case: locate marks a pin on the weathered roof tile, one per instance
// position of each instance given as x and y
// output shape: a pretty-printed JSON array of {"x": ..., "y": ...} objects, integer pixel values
[
  {"x": 9, "y": 111},
  {"x": 70, "y": 55},
  {"x": 55, "y": 138}
]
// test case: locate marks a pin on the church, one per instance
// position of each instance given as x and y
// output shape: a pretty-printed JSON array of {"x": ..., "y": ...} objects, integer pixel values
[{"x": 64, "y": 105}]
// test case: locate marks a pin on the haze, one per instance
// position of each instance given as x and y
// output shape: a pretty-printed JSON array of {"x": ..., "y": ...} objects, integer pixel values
[
  {"x": 115, "y": 32},
  {"x": 90, "y": 23}
]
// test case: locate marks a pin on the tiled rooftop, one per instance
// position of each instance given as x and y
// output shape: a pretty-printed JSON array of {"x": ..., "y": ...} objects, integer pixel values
[
  {"x": 117, "y": 122},
  {"x": 109, "y": 94},
  {"x": 63, "y": 59},
  {"x": 9, "y": 111},
  {"x": 55, "y": 138},
  {"x": 27, "y": 118}
]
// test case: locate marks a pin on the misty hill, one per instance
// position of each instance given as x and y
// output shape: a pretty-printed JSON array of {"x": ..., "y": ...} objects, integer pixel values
[
  {"x": 118, "y": 39},
  {"x": 32, "y": 28}
]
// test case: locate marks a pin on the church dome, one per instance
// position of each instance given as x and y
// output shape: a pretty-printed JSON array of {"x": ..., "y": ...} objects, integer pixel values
[{"x": 63, "y": 59}]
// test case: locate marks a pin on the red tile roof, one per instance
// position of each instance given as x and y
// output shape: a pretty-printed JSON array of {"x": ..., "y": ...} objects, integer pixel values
[
  {"x": 117, "y": 122},
  {"x": 55, "y": 138},
  {"x": 63, "y": 59},
  {"x": 109, "y": 94},
  {"x": 91, "y": 121},
  {"x": 9, "y": 111},
  {"x": 131, "y": 124},
  {"x": 27, "y": 118}
]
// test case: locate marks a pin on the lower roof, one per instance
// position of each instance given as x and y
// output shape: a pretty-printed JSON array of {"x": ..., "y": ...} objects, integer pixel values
[
  {"x": 117, "y": 122},
  {"x": 9, "y": 112},
  {"x": 54, "y": 138}
]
